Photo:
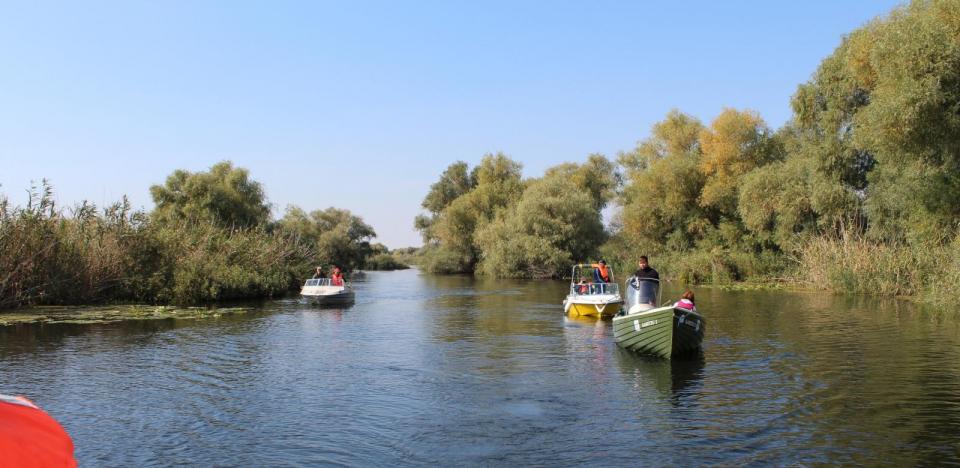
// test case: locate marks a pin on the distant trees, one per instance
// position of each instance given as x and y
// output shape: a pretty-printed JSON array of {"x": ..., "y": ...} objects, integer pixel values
[
  {"x": 500, "y": 225},
  {"x": 337, "y": 236},
  {"x": 223, "y": 195}
]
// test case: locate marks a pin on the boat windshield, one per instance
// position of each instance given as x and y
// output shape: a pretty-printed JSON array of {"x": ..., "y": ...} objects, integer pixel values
[
  {"x": 318, "y": 282},
  {"x": 642, "y": 291},
  {"x": 594, "y": 288}
]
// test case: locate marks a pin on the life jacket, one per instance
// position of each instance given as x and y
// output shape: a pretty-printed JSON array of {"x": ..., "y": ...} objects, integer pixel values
[
  {"x": 30, "y": 438},
  {"x": 603, "y": 274},
  {"x": 685, "y": 304}
]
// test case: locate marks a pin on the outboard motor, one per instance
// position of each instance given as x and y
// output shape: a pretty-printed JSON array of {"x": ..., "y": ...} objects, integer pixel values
[{"x": 642, "y": 294}]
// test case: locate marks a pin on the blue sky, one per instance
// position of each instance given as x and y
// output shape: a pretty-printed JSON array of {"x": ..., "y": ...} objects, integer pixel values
[{"x": 361, "y": 105}]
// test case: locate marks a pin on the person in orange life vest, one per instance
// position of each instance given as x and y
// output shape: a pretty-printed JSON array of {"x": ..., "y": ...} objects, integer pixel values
[
  {"x": 336, "y": 278},
  {"x": 29, "y": 437},
  {"x": 686, "y": 301},
  {"x": 600, "y": 273}
]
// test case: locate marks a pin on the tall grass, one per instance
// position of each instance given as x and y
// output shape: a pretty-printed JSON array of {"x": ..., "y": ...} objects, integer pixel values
[
  {"x": 852, "y": 263},
  {"x": 85, "y": 256}
]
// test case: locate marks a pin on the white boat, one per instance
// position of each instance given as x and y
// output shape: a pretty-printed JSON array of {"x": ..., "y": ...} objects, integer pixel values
[
  {"x": 323, "y": 291},
  {"x": 596, "y": 298}
]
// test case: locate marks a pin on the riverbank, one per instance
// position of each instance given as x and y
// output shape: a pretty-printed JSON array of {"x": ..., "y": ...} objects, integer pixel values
[{"x": 848, "y": 264}]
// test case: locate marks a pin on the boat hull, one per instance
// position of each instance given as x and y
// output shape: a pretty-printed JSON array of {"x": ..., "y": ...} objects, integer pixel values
[
  {"x": 598, "y": 308},
  {"x": 345, "y": 298},
  {"x": 327, "y": 294},
  {"x": 664, "y": 331}
]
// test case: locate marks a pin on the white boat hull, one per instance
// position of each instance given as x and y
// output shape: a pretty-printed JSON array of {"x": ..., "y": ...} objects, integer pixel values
[{"x": 327, "y": 294}]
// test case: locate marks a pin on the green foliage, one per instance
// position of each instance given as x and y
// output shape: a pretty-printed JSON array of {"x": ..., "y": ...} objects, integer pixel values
[
  {"x": 555, "y": 223},
  {"x": 734, "y": 144},
  {"x": 497, "y": 186},
  {"x": 660, "y": 201},
  {"x": 337, "y": 236},
  {"x": 198, "y": 263},
  {"x": 384, "y": 261},
  {"x": 381, "y": 258},
  {"x": 440, "y": 260},
  {"x": 882, "y": 114},
  {"x": 506, "y": 227},
  {"x": 223, "y": 195},
  {"x": 92, "y": 256}
]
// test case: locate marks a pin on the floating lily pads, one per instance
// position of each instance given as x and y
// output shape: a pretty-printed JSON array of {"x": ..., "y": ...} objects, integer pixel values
[{"x": 106, "y": 314}]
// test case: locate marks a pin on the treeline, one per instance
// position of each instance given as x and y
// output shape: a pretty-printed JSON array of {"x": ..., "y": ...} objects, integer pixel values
[
  {"x": 488, "y": 220},
  {"x": 210, "y": 238},
  {"x": 859, "y": 191}
]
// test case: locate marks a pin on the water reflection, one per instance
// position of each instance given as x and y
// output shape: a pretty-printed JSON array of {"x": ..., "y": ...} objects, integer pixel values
[{"x": 673, "y": 379}]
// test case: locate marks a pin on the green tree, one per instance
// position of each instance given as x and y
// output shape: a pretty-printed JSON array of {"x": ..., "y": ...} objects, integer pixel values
[
  {"x": 338, "y": 236},
  {"x": 224, "y": 195},
  {"x": 881, "y": 116},
  {"x": 735, "y": 143},
  {"x": 454, "y": 183},
  {"x": 664, "y": 181},
  {"x": 498, "y": 186},
  {"x": 556, "y": 222}
]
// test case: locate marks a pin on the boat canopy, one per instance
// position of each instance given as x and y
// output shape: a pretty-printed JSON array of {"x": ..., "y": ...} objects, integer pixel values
[{"x": 642, "y": 291}]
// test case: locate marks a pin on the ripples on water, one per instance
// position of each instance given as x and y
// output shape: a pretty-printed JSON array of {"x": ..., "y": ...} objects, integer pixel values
[{"x": 430, "y": 370}]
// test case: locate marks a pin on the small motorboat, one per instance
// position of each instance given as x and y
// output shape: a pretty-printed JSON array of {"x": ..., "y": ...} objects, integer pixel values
[
  {"x": 327, "y": 291},
  {"x": 662, "y": 331},
  {"x": 595, "y": 298}
]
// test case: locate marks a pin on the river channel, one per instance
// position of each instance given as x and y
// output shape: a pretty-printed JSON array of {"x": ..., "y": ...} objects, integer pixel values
[{"x": 427, "y": 370}]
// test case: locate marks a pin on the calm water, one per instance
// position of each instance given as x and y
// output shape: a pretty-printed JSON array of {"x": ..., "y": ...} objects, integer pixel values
[{"x": 427, "y": 370}]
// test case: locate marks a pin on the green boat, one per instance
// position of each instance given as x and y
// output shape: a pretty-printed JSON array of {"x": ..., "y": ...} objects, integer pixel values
[{"x": 661, "y": 331}]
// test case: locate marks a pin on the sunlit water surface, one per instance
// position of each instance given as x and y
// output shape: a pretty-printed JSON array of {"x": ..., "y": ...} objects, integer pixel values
[{"x": 427, "y": 370}]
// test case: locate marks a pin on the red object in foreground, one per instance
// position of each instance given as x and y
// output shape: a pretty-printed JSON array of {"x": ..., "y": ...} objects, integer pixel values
[{"x": 30, "y": 438}]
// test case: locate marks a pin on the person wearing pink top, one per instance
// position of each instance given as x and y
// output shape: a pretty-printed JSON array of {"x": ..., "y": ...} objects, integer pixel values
[{"x": 686, "y": 301}]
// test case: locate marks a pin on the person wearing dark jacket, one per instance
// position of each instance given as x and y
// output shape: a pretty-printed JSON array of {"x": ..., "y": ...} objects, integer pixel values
[{"x": 646, "y": 271}]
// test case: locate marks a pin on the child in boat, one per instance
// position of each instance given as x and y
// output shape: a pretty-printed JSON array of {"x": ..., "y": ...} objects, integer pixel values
[
  {"x": 686, "y": 301},
  {"x": 582, "y": 286}
]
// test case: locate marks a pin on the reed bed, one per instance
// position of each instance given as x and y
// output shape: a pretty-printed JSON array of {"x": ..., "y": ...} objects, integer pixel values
[{"x": 88, "y": 256}]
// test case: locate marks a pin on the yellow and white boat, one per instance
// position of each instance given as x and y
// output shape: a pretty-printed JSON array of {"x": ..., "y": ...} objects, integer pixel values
[{"x": 595, "y": 297}]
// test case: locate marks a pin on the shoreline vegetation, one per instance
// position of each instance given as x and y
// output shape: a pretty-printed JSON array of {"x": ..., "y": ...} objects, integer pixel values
[
  {"x": 859, "y": 192},
  {"x": 208, "y": 240}
]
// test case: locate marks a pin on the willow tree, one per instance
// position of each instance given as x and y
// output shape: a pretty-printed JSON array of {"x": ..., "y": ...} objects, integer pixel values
[
  {"x": 735, "y": 143},
  {"x": 497, "y": 185},
  {"x": 454, "y": 183},
  {"x": 556, "y": 222},
  {"x": 338, "y": 236},
  {"x": 223, "y": 195},
  {"x": 663, "y": 185},
  {"x": 881, "y": 118}
]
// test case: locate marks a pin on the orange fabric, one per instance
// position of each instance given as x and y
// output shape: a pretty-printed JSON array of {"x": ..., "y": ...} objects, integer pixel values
[
  {"x": 603, "y": 271},
  {"x": 30, "y": 438}
]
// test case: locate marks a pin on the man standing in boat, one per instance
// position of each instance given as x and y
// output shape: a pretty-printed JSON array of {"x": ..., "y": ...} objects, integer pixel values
[
  {"x": 646, "y": 271},
  {"x": 318, "y": 273},
  {"x": 600, "y": 273}
]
